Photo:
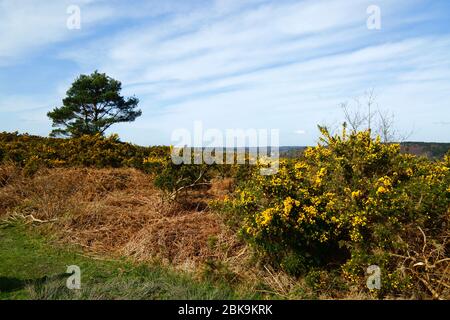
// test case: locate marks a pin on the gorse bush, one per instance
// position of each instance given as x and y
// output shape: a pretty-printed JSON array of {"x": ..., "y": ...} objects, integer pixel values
[
  {"x": 349, "y": 202},
  {"x": 32, "y": 152}
]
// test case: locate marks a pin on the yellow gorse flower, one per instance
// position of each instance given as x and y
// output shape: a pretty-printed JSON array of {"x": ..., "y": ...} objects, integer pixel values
[
  {"x": 356, "y": 194},
  {"x": 409, "y": 172},
  {"x": 156, "y": 160},
  {"x": 265, "y": 217},
  {"x": 385, "y": 185},
  {"x": 381, "y": 190},
  {"x": 319, "y": 177},
  {"x": 289, "y": 203}
]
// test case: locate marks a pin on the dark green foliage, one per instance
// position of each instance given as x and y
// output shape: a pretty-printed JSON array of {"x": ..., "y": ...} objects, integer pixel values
[
  {"x": 92, "y": 105},
  {"x": 175, "y": 178}
]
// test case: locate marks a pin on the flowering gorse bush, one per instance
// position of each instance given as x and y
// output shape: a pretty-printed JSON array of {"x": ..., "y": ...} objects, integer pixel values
[
  {"x": 32, "y": 152},
  {"x": 349, "y": 202}
]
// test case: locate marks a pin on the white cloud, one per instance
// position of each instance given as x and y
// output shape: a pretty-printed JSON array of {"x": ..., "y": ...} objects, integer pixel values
[
  {"x": 34, "y": 25},
  {"x": 24, "y": 103}
]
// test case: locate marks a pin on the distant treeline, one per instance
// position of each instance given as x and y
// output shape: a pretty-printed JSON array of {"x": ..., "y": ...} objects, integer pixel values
[{"x": 432, "y": 150}]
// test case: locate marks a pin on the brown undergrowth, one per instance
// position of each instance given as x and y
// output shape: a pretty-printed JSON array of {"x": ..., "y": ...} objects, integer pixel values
[{"x": 119, "y": 212}]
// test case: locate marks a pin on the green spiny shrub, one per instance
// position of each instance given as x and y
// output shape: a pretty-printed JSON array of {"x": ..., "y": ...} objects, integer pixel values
[
  {"x": 347, "y": 203},
  {"x": 32, "y": 152}
]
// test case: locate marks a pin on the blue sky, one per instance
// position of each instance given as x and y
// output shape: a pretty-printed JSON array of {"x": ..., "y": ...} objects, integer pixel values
[{"x": 231, "y": 64}]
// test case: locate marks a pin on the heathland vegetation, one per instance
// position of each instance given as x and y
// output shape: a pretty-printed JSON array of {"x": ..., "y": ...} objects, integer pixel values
[{"x": 309, "y": 231}]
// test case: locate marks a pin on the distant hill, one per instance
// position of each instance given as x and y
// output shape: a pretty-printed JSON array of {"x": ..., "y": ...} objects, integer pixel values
[
  {"x": 433, "y": 150},
  {"x": 291, "y": 151}
]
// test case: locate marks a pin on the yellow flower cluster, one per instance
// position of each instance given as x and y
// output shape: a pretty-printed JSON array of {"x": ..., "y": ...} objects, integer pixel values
[
  {"x": 289, "y": 203},
  {"x": 356, "y": 194},
  {"x": 266, "y": 217},
  {"x": 384, "y": 185},
  {"x": 154, "y": 160},
  {"x": 319, "y": 177}
]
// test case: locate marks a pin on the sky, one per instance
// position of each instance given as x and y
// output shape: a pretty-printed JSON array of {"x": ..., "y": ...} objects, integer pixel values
[{"x": 231, "y": 64}]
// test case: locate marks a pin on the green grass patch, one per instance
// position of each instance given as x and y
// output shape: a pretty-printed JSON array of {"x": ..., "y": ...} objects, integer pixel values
[{"x": 33, "y": 267}]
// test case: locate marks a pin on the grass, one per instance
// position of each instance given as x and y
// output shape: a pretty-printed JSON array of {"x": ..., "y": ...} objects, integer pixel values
[{"x": 32, "y": 267}]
